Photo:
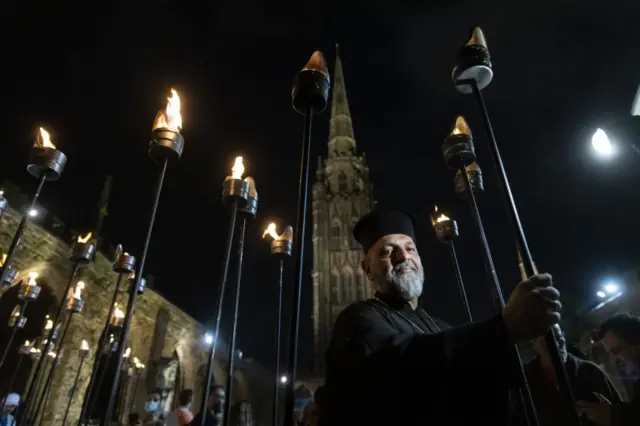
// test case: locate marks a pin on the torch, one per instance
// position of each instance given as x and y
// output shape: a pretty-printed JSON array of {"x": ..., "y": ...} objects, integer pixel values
[
  {"x": 3, "y": 203},
  {"x": 249, "y": 210},
  {"x": 10, "y": 274},
  {"x": 471, "y": 74},
  {"x": 84, "y": 353},
  {"x": 235, "y": 195},
  {"x": 166, "y": 146},
  {"x": 309, "y": 96},
  {"x": 139, "y": 371},
  {"x": 281, "y": 248},
  {"x": 17, "y": 321},
  {"x": 45, "y": 163},
  {"x": 28, "y": 292},
  {"x": 73, "y": 305},
  {"x": 81, "y": 254},
  {"x": 458, "y": 150},
  {"x": 446, "y": 230},
  {"x": 57, "y": 359},
  {"x": 124, "y": 264}
]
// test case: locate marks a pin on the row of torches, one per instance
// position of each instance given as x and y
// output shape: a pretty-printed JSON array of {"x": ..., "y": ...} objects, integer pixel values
[{"x": 471, "y": 74}]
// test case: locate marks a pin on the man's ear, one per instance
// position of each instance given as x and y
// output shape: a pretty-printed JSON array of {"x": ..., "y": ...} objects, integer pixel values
[{"x": 366, "y": 267}]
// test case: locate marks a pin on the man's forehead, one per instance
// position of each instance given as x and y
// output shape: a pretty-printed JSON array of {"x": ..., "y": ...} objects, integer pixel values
[
  {"x": 610, "y": 341},
  {"x": 394, "y": 239}
]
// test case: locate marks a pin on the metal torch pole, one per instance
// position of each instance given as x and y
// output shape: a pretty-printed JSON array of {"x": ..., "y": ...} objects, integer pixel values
[
  {"x": 101, "y": 345},
  {"x": 106, "y": 420},
  {"x": 54, "y": 364},
  {"x": 17, "y": 238},
  {"x": 276, "y": 390},
  {"x": 221, "y": 289},
  {"x": 73, "y": 391},
  {"x": 12, "y": 337},
  {"x": 56, "y": 318},
  {"x": 234, "y": 328},
  {"x": 523, "y": 248},
  {"x": 458, "y": 273}
]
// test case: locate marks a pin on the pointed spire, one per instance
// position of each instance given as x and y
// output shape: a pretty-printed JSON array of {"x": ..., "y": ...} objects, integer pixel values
[{"x": 341, "y": 136}]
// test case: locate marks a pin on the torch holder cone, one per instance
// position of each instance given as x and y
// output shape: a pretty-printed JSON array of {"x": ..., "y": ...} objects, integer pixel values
[
  {"x": 10, "y": 276},
  {"x": 166, "y": 145},
  {"x": 17, "y": 321},
  {"x": 83, "y": 252},
  {"x": 251, "y": 209},
  {"x": 28, "y": 292},
  {"x": 124, "y": 264},
  {"x": 473, "y": 63},
  {"x": 446, "y": 231},
  {"x": 47, "y": 162},
  {"x": 281, "y": 248},
  {"x": 84, "y": 353},
  {"x": 3, "y": 205},
  {"x": 458, "y": 150},
  {"x": 236, "y": 190},
  {"x": 475, "y": 180},
  {"x": 74, "y": 305},
  {"x": 310, "y": 90},
  {"x": 24, "y": 350}
]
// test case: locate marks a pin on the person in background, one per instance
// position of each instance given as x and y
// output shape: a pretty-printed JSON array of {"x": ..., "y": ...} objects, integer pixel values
[
  {"x": 152, "y": 409},
  {"x": 620, "y": 336},
  {"x": 182, "y": 415},
  {"x": 134, "y": 420},
  {"x": 214, "y": 410},
  {"x": 9, "y": 405},
  {"x": 585, "y": 378}
]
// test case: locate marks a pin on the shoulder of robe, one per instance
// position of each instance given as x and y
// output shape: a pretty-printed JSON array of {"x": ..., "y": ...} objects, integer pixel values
[{"x": 360, "y": 312}]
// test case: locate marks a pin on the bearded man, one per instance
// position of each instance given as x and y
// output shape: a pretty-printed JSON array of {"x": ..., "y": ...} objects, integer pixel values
[{"x": 391, "y": 363}]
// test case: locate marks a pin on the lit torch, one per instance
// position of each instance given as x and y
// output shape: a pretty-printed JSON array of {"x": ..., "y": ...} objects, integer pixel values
[
  {"x": 84, "y": 353},
  {"x": 474, "y": 174},
  {"x": 3, "y": 203},
  {"x": 281, "y": 248},
  {"x": 17, "y": 319},
  {"x": 167, "y": 142},
  {"x": 75, "y": 303},
  {"x": 445, "y": 228},
  {"x": 45, "y": 160},
  {"x": 10, "y": 275},
  {"x": 84, "y": 349},
  {"x": 473, "y": 64},
  {"x": 117, "y": 318},
  {"x": 29, "y": 289},
  {"x": 84, "y": 249}
]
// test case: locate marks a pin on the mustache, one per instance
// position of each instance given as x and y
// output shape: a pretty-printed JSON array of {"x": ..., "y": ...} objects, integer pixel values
[{"x": 404, "y": 265}]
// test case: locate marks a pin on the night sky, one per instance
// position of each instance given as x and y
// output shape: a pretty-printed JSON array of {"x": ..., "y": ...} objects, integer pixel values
[{"x": 96, "y": 75}]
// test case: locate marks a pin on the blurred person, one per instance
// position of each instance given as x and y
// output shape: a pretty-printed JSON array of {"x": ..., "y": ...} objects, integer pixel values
[
  {"x": 620, "y": 336},
  {"x": 214, "y": 410},
  {"x": 153, "y": 415},
  {"x": 9, "y": 405},
  {"x": 182, "y": 415}
]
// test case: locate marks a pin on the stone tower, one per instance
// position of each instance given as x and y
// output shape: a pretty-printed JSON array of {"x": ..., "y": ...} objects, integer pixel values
[{"x": 341, "y": 195}]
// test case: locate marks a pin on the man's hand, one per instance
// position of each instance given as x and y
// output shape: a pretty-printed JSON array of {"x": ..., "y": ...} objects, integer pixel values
[
  {"x": 532, "y": 308},
  {"x": 597, "y": 412}
]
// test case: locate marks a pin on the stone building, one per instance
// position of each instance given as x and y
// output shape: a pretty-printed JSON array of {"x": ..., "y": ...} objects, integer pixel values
[
  {"x": 164, "y": 338},
  {"x": 342, "y": 193}
]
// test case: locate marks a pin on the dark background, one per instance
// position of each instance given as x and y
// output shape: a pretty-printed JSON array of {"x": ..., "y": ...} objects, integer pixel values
[{"x": 96, "y": 74}]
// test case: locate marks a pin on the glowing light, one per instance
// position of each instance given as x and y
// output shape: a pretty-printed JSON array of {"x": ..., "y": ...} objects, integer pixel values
[
  {"x": 16, "y": 311},
  {"x": 84, "y": 239},
  {"x": 208, "y": 338},
  {"x": 49, "y": 324},
  {"x": 32, "y": 212},
  {"x": 170, "y": 118},
  {"x": 601, "y": 143},
  {"x": 84, "y": 346},
  {"x": 127, "y": 353},
  {"x": 43, "y": 139},
  {"x": 283, "y": 379},
  {"x": 77, "y": 294},
  {"x": 118, "y": 313},
  {"x": 601, "y": 294},
  {"x": 271, "y": 231},
  {"x": 439, "y": 218},
  {"x": 4, "y": 257},
  {"x": 238, "y": 168},
  {"x": 611, "y": 288}
]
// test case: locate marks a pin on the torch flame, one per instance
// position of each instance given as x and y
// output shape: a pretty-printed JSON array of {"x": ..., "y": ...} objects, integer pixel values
[
  {"x": 49, "y": 324},
  {"x": 118, "y": 313},
  {"x": 16, "y": 311},
  {"x": 85, "y": 238},
  {"x": 84, "y": 346},
  {"x": 127, "y": 353},
  {"x": 26, "y": 343},
  {"x": 442, "y": 218},
  {"x": 136, "y": 361},
  {"x": 32, "y": 279},
  {"x": 111, "y": 338},
  {"x": 439, "y": 218},
  {"x": 77, "y": 294},
  {"x": 271, "y": 230},
  {"x": 132, "y": 275},
  {"x": 43, "y": 139},
  {"x": 4, "y": 257},
  {"x": 461, "y": 127},
  {"x": 1, "y": 193},
  {"x": 170, "y": 118},
  {"x": 238, "y": 169}
]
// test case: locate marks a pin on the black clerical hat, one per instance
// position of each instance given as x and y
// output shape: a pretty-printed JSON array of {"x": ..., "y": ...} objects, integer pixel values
[{"x": 383, "y": 221}]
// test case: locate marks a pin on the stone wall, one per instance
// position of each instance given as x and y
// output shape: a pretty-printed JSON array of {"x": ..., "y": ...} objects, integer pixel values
[{"x": 159, "y": 329}]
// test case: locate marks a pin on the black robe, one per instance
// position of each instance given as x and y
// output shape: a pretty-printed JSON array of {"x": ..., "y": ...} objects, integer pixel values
[
  {"x": 390, "y": 365},
  {"x": 585, "y": 378}
]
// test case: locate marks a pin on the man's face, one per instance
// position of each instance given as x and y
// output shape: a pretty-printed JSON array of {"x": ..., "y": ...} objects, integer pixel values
[
  {"x": 621, "y": 352},
  {"x": 394, "y": 266},
  {"x": 8, "y": 409},
  {"x": 541, "y": 348}
]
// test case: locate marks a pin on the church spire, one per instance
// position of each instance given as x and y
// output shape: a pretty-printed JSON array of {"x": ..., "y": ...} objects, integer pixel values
[{"x": 341, "y": 137}]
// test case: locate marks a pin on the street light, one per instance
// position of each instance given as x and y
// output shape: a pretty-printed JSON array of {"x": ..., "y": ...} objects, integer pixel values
[
  {"x": 33, "y": 212},
  {"x": 208, "y": 338},
  {"x": 601, "y": 143},
  {"x": 610, "y": 288},
  {"x": 283, "y": 380}
]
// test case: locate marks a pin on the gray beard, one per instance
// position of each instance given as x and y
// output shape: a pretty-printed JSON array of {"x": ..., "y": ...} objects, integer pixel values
[{"x": 407, "y": 285}]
